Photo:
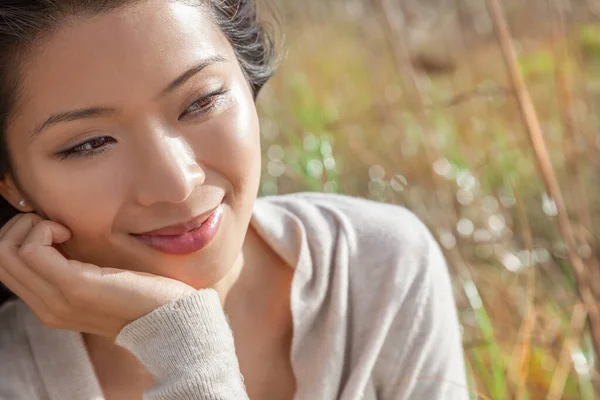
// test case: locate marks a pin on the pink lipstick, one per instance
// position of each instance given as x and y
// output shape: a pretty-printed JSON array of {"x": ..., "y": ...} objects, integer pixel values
[{"x": 186, "y": 238}]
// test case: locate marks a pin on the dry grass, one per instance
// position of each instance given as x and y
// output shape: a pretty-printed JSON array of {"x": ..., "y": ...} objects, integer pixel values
[{"x": 432, "y": 115}]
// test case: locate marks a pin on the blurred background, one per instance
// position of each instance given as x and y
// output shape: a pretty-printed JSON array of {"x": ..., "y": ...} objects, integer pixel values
[{"x": 480, "y": 117}]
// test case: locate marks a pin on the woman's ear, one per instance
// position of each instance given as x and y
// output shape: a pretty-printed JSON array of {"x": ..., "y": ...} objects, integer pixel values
[{"x": 10, "y": 192}]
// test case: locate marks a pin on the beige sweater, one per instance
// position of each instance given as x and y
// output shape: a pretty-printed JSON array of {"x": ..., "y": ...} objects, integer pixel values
[{"x": 373, "y": 312}]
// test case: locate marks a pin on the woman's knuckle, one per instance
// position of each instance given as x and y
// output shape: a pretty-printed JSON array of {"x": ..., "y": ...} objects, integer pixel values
[
  {"x": 27, "y": 250},
  {"x": 43, "y": 224},
  {"x": 31, "y": 217}
]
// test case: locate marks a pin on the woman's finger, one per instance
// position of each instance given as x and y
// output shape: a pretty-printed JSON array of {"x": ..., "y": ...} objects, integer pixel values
[
  {"x": 35, "y": 255},
  {"x": 47, "y": 233},
  {"x": 37, "y": 248},
  {"x": 9, "y": 224},
  {"x": 17, "y": 233},
  {"x": 62, "y": 293},
  {"x": 29, "y": 296},
  {"x": 29, "y": 278},
  {"x": 20, "y": 274},
  {"x": 38, "y": 252},
  {"x": 72, "y": 318}
]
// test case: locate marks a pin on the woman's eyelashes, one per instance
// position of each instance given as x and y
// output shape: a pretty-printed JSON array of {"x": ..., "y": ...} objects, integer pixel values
[
  {"x": 90, "y": 148},
  {"x": 205, "y": 104},
  {"x": 99, "y": 145}
]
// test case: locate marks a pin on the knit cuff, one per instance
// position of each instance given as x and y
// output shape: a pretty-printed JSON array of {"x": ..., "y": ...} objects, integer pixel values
[{"x": 189, "y": 339}]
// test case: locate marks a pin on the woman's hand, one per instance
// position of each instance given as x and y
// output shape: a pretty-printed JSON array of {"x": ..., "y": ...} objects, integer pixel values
[{"x": 67, "y": 294}]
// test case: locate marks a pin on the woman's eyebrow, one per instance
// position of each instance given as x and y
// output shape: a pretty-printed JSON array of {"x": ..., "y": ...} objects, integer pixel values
[
  {"x": 187, "y": 75},
  {"x": 92, "y": 112},
  {"x": 73, "y": 115}
]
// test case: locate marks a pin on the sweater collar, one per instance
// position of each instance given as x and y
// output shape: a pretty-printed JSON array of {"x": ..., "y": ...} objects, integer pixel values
[{"x": 281, "y": 230}]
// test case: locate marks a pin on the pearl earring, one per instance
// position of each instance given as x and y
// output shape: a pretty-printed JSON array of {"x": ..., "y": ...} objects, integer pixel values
[{"x": 22, "y": 203}]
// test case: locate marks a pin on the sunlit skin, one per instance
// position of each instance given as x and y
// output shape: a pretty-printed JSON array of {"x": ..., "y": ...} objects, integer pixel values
[{"x": 161, "y": 140}]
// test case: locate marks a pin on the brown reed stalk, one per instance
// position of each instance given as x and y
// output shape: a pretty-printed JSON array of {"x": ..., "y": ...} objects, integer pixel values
[
  {"x": 578, "y": 198},
  {"x": 542, "y": 158},
  {"x": 559, "y": 378},
  {"x": 518, "y": 371},
  {"x": 522, "y": 351},
  {"x": 566, "y": 107}
]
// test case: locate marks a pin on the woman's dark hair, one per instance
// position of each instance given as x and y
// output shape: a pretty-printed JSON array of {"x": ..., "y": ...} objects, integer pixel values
[{"x": 23, "y": 23}]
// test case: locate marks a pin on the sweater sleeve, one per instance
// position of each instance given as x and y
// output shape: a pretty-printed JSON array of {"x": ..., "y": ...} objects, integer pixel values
[
  {"x": 429, "y": 364},
  {"x": 188, "y": 347}
]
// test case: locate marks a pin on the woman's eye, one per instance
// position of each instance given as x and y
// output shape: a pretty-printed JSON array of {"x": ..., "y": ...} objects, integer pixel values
[
  {"x": 90, "y": 148},
  {"x": 201, "y": 104},
  {"x": 204, "y": 104}
]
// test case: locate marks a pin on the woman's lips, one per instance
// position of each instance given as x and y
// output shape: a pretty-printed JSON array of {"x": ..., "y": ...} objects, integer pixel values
[{"x": 188, "y": 242}]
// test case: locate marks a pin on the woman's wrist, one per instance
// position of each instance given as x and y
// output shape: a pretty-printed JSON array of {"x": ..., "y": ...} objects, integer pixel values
[{"x": 180, "y": 333}]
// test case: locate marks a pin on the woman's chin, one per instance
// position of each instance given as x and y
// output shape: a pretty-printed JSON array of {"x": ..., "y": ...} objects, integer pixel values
[{"x": 201, "y": 269}]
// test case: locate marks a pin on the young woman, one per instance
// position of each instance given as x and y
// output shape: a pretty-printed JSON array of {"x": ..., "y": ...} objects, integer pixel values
[{"x": 141, "y": 263}]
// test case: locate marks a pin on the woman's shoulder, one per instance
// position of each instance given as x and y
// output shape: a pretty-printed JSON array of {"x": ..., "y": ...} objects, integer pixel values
[
  {"x": 370, "y": 264},
  {"x": 372, "y": 223},
  {"x": 378, "y": 237}
]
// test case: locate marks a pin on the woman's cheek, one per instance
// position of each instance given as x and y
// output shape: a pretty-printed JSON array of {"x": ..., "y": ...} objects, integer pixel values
[
  {"x": 231, "y": 145},
  {"x": 85, "y": 201}
]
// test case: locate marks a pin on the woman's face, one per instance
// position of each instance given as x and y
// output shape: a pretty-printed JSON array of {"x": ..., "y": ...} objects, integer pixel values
[{"x": 132, "y": 121}]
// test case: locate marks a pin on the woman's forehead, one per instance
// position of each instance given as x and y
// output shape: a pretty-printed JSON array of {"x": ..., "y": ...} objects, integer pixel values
[{"x": 100, "y": 58}]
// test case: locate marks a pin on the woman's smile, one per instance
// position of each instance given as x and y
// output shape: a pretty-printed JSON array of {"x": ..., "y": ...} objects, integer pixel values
[{"x": 185, "y": 238}]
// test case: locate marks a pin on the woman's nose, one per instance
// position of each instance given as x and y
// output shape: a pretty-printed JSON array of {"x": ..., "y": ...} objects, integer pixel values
[{"x": 168, "y": 171}]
